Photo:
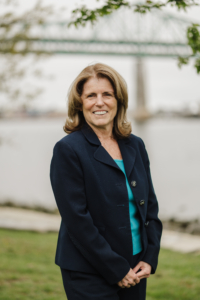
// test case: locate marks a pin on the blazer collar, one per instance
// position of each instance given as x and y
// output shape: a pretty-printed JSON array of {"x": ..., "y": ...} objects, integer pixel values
[
  {"x": 128, "y": 155},
  {"x": 90, "y": 134},
  {"x": 128, "y": 152}
]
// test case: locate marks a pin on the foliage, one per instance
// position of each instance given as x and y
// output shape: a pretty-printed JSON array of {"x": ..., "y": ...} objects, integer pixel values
[
  {"x": 180, "y": 4},
  {"x": 197, "y": 65},
  {"x": 182, "y": 61},
  {"x": 93, "y": 15},
  {"x": 82, "y": 15},
  {"x": 14, "y": 85},
  {"x": 193, "y": 36},
  {"x": 13, "y": 27},
  {"x": 28, "y": 270}
]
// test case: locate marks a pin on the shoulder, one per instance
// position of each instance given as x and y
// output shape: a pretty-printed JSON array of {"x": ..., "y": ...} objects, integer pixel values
[
  {"x": 70, "y": 141},
  {"x": 136, "y": 141},
  {"x": 138, "y": 144}
]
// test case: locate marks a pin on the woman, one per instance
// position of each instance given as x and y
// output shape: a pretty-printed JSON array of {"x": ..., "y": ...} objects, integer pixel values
[{"x": 109, "y": 237}]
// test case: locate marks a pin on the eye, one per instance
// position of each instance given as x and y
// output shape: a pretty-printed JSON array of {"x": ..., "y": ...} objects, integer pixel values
[
  {"x": 90, "y": 96},
  {"x": 108, "y": 94}
]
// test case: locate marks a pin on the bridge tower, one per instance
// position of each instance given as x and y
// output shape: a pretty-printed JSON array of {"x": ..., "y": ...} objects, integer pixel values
[{"x": 141, "y": 112}]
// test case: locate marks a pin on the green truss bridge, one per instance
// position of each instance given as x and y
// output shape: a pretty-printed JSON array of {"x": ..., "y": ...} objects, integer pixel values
[{"x": 121, "y": 33}]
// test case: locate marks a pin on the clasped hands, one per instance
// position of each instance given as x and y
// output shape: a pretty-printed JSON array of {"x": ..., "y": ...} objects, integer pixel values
[{"x": 141, "y": 270}]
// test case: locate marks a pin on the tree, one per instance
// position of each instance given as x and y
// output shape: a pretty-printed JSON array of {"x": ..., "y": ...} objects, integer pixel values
[
  {"x": 15, "y": 25},
  {"x": 82, "y": 15}
]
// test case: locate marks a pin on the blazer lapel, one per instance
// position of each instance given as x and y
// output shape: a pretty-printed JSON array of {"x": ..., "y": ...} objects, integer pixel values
[
  {"x": 128, "y": 155},
  {"x": 128, "y": 152},
  {"x": 100, "y": 153},
  {"x": 103, "y": 156}
]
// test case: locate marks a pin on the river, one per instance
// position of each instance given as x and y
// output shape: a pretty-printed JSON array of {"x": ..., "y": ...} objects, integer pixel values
[{"x": 173, "y": 146}]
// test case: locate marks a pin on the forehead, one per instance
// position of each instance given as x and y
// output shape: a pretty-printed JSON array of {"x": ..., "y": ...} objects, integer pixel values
[{"x": 97, "y": 84}]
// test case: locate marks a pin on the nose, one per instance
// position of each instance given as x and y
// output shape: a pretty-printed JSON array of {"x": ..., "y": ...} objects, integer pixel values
[{"x": 99, "y": 101}]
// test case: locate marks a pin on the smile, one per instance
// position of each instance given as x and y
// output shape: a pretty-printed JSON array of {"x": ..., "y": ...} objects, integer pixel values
[{"x": 103, "y": 112}]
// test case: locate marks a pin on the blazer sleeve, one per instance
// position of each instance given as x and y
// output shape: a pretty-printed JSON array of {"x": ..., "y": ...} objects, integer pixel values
[
  {"x": 154, "y": 228},
  {"x": 67, "y": 182}
]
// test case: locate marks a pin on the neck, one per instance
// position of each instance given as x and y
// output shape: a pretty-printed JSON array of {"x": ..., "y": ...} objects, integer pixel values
[{"x": 102, "y": 132}]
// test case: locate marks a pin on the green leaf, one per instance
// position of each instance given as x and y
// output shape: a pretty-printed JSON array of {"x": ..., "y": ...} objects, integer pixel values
[
  {"x": 182, "y": 61},
  {"x": 197, "y": 65},
  {"x": 193, "y": 37}
]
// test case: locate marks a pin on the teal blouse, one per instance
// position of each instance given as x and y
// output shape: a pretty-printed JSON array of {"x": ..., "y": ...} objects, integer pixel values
[{"x": 134, "y": 220}]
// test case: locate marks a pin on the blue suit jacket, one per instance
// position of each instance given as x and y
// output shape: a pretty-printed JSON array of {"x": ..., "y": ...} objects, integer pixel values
[{"x": 91, "y": 195}]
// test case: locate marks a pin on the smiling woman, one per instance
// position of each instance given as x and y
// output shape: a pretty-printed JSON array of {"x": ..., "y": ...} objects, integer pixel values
[
  {"x": 104, "y": 88},
  {"x": 109, "y": 238},
  {"x": 99, "y": 102}
]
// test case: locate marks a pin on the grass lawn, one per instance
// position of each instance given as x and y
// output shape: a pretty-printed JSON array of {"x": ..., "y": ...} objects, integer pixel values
[{"x": 27, "y": 270}]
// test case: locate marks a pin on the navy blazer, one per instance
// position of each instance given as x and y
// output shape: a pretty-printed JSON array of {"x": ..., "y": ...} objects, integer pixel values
[{"x": 91, "y": 195}]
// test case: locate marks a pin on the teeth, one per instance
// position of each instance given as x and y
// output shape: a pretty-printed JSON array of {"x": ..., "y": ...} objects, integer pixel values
[{"x": 100, "y": 112}]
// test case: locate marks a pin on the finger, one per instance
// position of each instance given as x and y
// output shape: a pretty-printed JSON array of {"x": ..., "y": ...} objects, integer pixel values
[
  {"x": 120, "y": 284},
  {"x": 133, "y": 279},
  {"x": 137, "y": 267},
  {"x": 143, "y": 277},
  {"x": 137, "y": 280},
  {"x": 127, "y": 284},
  {"x": 124, "y": 282},
  {"x": 133, "y": 283},
  {"x": 143, "y": 274}
]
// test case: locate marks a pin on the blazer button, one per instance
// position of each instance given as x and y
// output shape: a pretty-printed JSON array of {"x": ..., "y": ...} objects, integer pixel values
[
  {"x": 142, "y": 202},
  {"x": 133, "y": 183},
  {"x": 146, "y": 224}
]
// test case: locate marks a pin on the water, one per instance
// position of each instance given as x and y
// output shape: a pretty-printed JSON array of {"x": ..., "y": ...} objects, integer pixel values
[{"x": 173, "y": 146}]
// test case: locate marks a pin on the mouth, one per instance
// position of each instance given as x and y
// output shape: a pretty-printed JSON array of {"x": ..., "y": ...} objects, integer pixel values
[{"x": 100, "y": 112}]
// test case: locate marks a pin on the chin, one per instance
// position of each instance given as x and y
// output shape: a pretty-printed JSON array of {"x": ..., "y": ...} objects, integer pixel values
[{"x": 100, "y": 123}]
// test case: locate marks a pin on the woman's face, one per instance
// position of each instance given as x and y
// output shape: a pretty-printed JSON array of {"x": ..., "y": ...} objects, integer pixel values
[{"x": 99, "y": 104}]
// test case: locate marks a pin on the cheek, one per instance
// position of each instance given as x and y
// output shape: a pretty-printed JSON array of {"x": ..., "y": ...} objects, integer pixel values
[
  {"x": 87, "y": 106},
  {"x": 115, "y": 107}
]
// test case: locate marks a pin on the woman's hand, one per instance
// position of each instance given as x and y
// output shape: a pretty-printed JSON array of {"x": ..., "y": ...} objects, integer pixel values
[
  {"x": 143, "y": 268},
  {"x": 129, "y": 280}
]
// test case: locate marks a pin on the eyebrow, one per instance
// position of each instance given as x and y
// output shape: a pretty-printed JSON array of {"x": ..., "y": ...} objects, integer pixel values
[{"x": 110, "y": 92}]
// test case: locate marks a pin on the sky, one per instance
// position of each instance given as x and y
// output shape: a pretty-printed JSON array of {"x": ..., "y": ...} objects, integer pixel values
[{"x": 167, "y": 86}]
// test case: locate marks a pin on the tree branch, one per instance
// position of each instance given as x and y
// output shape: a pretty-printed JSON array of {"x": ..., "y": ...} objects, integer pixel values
[
  {"x": 14, "y": 69},
  {"x": 83, "y": 15}
]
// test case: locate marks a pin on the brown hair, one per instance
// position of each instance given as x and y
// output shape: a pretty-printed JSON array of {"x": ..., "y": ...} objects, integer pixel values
[{"x": 122, "y": 128}]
